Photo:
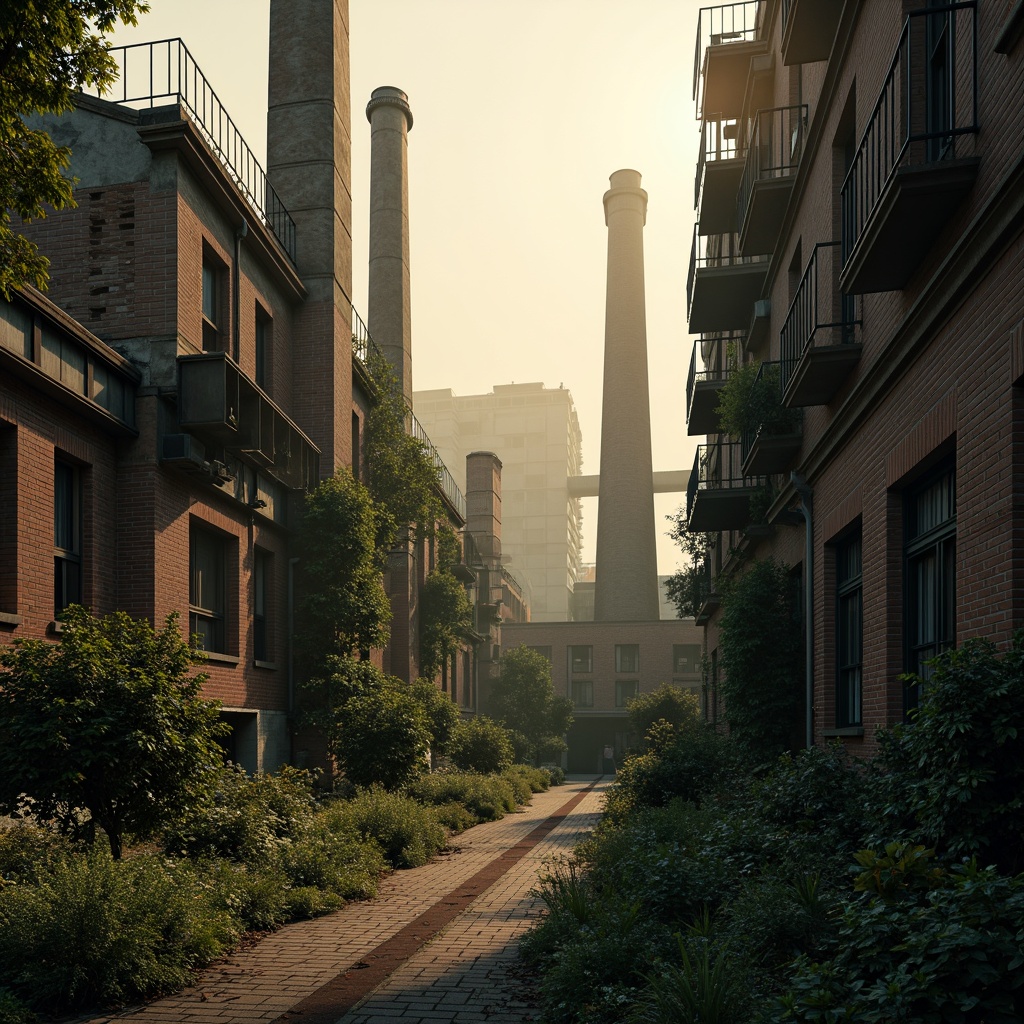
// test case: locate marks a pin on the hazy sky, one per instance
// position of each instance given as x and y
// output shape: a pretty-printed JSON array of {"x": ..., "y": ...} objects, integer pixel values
[{"x": 522, "y": 110}]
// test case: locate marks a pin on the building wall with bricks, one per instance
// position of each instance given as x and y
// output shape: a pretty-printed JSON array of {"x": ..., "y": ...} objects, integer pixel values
[{"x": 912, "y": 450}]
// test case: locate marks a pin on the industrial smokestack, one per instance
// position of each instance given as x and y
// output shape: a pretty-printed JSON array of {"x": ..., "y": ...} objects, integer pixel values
[
  {"x": 389, "y": 314},
  {"x": 626, "y": 586}
]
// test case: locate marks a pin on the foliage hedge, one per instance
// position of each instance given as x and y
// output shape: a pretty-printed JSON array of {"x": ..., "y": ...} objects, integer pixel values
[{"x": 813, "y": 888}]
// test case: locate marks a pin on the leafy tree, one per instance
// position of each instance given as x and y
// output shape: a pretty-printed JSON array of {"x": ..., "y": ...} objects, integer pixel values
[
  {"x": 762, "y": 658},
  {"x": 688, "y": 588},
  {"x": 523, "y": 699},
  {"x": 446, "y": 612},
  {"x": 384, "y": 736},
  {"x": 747, "y": 403},
  {"x": 442, "y": 714},
  {"x": 953, "y": 776},
  {"x": 671, "y": 704},
  {"x": 109, "y": 721},
  {"x": 48, "y": 50},
  {"x": 344, "y": 609},
  {"x": 481, "y": 745}
]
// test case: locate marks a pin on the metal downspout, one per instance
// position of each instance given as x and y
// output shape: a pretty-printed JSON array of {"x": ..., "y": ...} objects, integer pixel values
[
  {"x": 292, "y": 562},
  {"x": 805, "y": 507}
]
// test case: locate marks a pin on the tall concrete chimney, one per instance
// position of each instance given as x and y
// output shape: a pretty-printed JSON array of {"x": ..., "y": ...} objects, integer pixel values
[
  {"x": 389, "y": 314},
  {"x": 626, "y": 586},
  {"x": 308, "y": 163}
]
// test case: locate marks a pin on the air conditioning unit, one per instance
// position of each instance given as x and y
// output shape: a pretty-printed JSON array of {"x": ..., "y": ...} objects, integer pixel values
[
  {"x": 185, "y": 452},
  {"x": 220, "y": 474}
]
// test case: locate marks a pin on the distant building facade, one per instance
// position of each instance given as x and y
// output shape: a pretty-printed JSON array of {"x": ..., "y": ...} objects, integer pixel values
[{"x": 535, "y": 432}]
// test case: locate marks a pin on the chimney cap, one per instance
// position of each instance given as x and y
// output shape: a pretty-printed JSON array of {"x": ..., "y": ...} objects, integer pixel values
[{"x": 389, "y": 96}]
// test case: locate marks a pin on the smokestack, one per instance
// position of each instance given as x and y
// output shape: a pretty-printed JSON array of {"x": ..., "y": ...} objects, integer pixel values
[
  {"x": 626, "y": 586},
  {"x": 389, "y": 314},
  {"x": 308, "y": 146}
]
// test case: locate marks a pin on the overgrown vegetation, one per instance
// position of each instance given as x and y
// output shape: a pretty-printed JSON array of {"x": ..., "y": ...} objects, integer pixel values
[
  {"x": 688, "y": 588},
  {"x": 446, "y": 614},
  {"x": 812, "y": 888},
  {"x": 748, "y": 402}
]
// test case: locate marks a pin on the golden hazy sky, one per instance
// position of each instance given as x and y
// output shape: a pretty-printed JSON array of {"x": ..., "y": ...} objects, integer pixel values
[{"x": 522, "y": 109}]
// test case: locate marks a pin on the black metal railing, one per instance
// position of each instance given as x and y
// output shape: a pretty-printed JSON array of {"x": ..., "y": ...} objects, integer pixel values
[
  {"x": 712, "y": 370},
  {"x": 928, "y": 100},
  {"x": 773, "y": 151},
  {"x": 719, "y": 140},
  {"x": 726, "y": 23},
  {"x": 717, "y": 466},
  {"x": 819, "y": 310},
  {"x": 770, "y": 418},
  {"x": 148, "y": 73},
  {"x": 363, "y": 347},
  {"x": 714, "y": 251}
]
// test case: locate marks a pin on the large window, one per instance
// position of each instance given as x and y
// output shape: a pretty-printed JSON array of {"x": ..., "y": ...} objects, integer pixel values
[
  {"x": 67, "y": 536},
  {"x": 581, "y": 658},
  {"x": 206, "y": 596},
  {"x": 583, "y": 693},
  {"x": 849, "y": 632},
  {"x": 686, "y": 659},
  {"x": 214, "y": 276},
  {"x": 929, "y": 571},
  {"x": 627, "y": 657},
  {"x": 625, "y": 690}
]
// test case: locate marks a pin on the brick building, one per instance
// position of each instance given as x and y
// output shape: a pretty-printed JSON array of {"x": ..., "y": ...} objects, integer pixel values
[
  {"x": 196, "y": 366},
  {"x": 859, "y": 237}
]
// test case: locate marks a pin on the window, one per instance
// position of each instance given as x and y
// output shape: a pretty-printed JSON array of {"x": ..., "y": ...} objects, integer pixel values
[
  {"x": 261, "y": 563},
  {"x": 685, "y": 659},
  {"x": 206, "y": 593},
  {"x": 929, "y": 572},
  {"x": 583, "y": 693},
  {"x": 213, "y": 303},
  {"x": 264, "y": 333},
  {"x": 625, "y": 690},
  {"x": 544, "y": 650},
  {"x": 67, "y": 536},
  {"x": 582, "y": 658},
  {"x": 849, "y": 631},
  {"x": 627, "y": 657}
]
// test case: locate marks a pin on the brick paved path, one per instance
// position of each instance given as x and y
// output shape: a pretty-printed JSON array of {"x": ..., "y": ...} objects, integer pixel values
[{"x": 436, "y": 945}]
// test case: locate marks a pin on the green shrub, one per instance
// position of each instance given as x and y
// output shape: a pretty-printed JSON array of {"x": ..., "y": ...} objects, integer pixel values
[
  {"x": 455, "y": 816},
  {"x": 406, "y": 831},
  {"x": 29, "y": 852},
  {"x": 538, "y": 779},
  {"x": 308, "y": 901},
  {"x": 13, "y": 1010},
  {"x": 953, "y": 776},
  {"x": 481, "y": 745},
  {"x": 97, "y": 932},
  {"x": 334, "y": 860},
  {"x": 486, "y": 797},
  {"x": 519, "y": 784},
  {"x": 250, "y": 819},
  {"x": 255, "y": 896},
  {"x": 556, "y": 773}
]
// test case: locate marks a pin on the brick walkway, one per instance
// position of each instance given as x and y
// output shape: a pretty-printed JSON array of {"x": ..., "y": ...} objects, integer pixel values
[{"x": 435, "y": 945}]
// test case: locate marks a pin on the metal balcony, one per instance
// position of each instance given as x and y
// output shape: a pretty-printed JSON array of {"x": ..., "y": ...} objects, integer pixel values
[
  {"x": 704, "y": 386},
  {"x": 718, "y": 494},
  {"x": 219, "y": 404},
  {"x": 729, "y": 36},
  {"x": 819, "y": 341},
  {"x": 915, "y": 163},
  {"x": 773, "y": 155},
  {"x": 719, "y": 173},
  {"x": 773, "y": 445},
  {"x": 721, "y": 285},
  {"x": 165, "y": 72},
  {"x": 809, "y": 29}
]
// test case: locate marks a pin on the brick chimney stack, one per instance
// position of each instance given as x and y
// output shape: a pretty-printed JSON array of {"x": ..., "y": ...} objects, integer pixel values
[
  {"x": 626, "y": 586},
  {"x": 389, "y": 315}
]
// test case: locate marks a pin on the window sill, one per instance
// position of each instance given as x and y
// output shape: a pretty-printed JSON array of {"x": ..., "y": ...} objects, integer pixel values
[
  {"x": 223, "y": 659},
  {"x": 10, "y": 619},
  {"x": 847, "y": 731},
  {"x": 265, "y": 664}
]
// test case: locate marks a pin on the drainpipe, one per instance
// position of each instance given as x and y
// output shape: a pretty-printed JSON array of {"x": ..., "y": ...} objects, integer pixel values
[
  {"x": 240, "y": 233},
  {"x": 804, "y": 491},
  {"x": 292, "y": 562}
]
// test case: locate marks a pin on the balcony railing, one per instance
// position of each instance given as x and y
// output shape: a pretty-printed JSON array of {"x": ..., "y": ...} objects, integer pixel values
[
  {"x": 363, "y": 347},
  {"x": 928, "y": 101},
  {"x": 821, "y": 323},
  {"x": 719, "y": 170},
  {"x": 723, "y": 25},
  {"x": 718, "y": 493},
  {"x": 150, "y": 74},
  {"x": 772, "y": 441},
  {"x": 732, "y": 283},
  {"x": 703, "y": 386}
]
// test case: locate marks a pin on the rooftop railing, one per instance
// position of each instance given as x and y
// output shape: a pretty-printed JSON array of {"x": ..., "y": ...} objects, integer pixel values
[
  {"x": 929, "y": 98},
  {"x": 726, "y": 23},
  {"x": 152, "y": 74}
]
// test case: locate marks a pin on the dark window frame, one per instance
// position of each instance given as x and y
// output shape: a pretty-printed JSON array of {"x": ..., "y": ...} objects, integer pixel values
[
  {"x": 849, "y": 593},
  {"x": 576, "y": 662},
  {"x": 630, "y": 665},
  {"x": 67, "y": 535},
  {"x": 207, "y": 600}
]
